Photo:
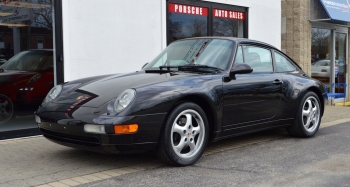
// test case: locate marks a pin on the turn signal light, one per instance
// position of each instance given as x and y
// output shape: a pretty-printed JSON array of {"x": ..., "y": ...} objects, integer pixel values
[{"x": 126, "y": 129}]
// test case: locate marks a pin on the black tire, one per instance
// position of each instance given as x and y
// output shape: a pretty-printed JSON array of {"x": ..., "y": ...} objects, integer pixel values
[
  {"x": 169, "y": 147},
  {"x": 300, "y": 128},
  {"x": 6, "y": 109}
]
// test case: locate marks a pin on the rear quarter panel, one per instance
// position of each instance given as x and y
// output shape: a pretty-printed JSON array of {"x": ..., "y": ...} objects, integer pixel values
[{"x": 295, "y": 86}]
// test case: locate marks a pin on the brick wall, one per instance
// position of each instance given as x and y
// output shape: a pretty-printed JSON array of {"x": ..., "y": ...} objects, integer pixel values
[{"x": 296, "y": 32}]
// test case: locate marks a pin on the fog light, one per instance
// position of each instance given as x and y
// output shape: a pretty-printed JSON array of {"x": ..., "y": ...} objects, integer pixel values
[
  {"x": 99, "y": 129},
  {"x": 126, "y": 129}
]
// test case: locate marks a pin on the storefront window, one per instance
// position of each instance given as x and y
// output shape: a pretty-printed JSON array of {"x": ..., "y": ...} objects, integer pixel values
[
  {"x": 26, "y": 61},
  {"x": 321, "y": 62},
  {"x": 320, "y": 50},
  {"x": 187, "y": 21},
  {"x": 340, "y": 51},
  {"x": 228, "y": 23},
  {"x": 195, "y": 19}
]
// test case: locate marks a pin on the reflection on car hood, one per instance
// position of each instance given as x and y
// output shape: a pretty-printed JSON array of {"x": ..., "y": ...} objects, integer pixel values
[
  {"x": 100, "y": 91},
  {"x": 15, "y": 75}
]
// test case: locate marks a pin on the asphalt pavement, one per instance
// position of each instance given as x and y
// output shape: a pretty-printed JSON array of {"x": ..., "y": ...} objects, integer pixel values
[
  {"x": 285, "y": 161},
  {"x": 270, "y": 158}
]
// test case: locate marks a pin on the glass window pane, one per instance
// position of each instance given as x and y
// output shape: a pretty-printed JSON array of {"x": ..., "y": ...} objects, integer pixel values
[
  {"x": 210, "y": 52},
  {"x": 187, "y": 21},
  {"x": 320, "y": 49},
  {"x": 239, "y": 56},
  {"x": 283, "y": 64},
  {"x": 26, "y": 56},
  {"x": 258, "y": 58},
  {"x": 228, "y": 23},
  {"x": 340, "y": 50}
]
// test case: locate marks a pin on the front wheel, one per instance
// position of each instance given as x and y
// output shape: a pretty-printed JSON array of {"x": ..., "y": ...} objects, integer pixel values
[
  {"x": 185, "y": 135},
  {"x": 308, "y": 117},
  {"x": 6, "y": 109}
]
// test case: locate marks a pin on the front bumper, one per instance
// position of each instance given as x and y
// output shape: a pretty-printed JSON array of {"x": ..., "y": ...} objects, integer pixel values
[{"x": 73, "y": 134}]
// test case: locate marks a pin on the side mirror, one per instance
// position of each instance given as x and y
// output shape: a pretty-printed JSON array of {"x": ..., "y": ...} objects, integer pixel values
[
  {"x": 240, "y": 69},
  {"x": 144, "y": 65}
]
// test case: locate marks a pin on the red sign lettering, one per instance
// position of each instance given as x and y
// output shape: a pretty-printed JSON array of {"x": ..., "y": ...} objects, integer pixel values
[
  {"x": 188, "y": 9},
  {"x": 228, "y": 14}
]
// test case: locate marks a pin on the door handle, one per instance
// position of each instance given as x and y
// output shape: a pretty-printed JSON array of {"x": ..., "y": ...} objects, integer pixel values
[{"x": 277, "y": 82}]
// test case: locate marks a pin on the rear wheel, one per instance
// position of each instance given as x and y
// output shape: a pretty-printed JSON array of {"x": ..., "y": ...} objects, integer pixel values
[
  {"x": 184, "y": 136},
  {"x": 308, "y": 117}
]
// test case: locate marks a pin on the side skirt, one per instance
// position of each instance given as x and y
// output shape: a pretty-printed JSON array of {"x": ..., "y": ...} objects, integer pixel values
[{"x": 228, "y": 133}]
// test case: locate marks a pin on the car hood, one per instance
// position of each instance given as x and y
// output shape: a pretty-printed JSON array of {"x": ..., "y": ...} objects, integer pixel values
[
  {"x": 101, "y": 90},
  {"x": 13, "y": 76}
]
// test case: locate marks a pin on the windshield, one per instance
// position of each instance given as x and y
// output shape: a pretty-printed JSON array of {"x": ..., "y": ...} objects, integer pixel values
[
  {"x": 209, "y": 52},
  {"x": 30, "y": 61}
]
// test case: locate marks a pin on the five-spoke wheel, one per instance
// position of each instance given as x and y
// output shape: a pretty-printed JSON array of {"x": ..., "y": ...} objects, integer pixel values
[
  {"x": 308, "y": 117},
  {"x": 187, "y": 134},
  {"x": 311, "y": 114},
  {"x": 184, "y": 136}
]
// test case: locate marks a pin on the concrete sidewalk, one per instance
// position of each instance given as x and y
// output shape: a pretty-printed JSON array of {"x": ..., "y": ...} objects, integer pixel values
[
  {"x": 334, "y": 113},
  {"x": 35, "y": 161}
]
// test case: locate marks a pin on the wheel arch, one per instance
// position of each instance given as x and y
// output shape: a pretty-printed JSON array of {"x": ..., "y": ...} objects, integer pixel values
[
  {"x": 209, "y": 110},
  {"x": 320, "y": 96}
]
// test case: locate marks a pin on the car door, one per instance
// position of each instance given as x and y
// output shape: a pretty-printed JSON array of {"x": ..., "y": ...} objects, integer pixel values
[{"x": 251, "y": 99}]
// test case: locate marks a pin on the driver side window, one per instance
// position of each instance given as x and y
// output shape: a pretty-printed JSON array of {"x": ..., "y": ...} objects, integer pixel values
[
  {"x": 239, "y": 56},
  {"x": 258, "y": 58}
]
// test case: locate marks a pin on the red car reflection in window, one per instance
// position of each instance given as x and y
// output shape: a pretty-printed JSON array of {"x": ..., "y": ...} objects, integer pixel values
[{"x": 25, "y": 80}]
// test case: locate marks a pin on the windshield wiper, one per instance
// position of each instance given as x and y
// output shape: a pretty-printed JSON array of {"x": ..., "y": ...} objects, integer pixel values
[
  {"x": 187, "y": 67},
  {"x": 162, "y": 69},
  {"x": 198, "y": 67}
]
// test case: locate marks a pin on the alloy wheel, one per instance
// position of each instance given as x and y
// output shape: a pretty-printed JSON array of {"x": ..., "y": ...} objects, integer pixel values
[
  {"x": 187, "y": 133},
  {"x": 311, "y": 114}
]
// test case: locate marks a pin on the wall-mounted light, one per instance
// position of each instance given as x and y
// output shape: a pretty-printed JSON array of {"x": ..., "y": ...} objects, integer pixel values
[
  {"x": 14, "y": 24},
  {"x": 23, "y": 4},
  {"x": 2, "y": 14}
]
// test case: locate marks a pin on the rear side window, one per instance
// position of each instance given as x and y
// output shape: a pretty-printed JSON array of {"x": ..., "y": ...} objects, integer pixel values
[{"x": 283, "y": 64}]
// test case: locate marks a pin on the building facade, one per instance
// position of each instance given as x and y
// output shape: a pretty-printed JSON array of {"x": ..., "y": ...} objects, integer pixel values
[
  {"x": 83, "y": 38},
  {"x": 124, "y": 36},
  {"x": 315, "y": 33}
]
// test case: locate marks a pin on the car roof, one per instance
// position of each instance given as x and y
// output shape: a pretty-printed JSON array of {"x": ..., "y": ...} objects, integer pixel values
[{"x": 237, "y": 40}]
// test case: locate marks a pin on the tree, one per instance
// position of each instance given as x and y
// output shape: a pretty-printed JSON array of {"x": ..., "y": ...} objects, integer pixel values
[
  {"x": 197, "y": 27},
  {"x": 225, "y": 27},
  {"x": 42, "y": 17}
]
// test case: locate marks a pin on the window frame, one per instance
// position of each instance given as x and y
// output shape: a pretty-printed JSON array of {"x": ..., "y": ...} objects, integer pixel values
[{"x": 210, "y": 6}]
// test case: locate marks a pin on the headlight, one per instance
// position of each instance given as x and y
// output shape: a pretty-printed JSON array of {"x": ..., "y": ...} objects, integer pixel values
[
  {"x": 53, "y": 93},
  {"x": 123, "y": 100}
]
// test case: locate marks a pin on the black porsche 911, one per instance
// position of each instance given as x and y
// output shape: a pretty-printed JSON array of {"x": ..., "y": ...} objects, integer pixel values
[{"x": 196, "y": 91}]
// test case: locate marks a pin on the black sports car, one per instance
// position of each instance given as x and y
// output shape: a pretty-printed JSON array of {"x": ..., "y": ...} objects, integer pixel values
[{"x": 196, "y": 91}]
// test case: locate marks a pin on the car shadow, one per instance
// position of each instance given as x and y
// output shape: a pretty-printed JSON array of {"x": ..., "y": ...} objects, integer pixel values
[{"x": 110, "y": 161}]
